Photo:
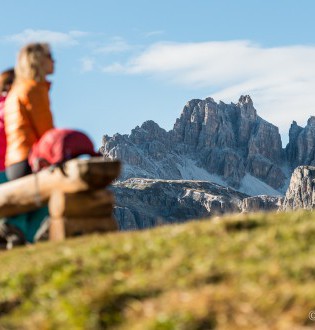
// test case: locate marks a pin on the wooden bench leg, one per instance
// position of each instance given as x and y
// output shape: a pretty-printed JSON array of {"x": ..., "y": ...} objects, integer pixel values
[{"x": 80, "y": 213}]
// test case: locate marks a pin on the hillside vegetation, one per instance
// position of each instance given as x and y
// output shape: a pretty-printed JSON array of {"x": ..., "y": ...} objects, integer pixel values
[{"x": 254, "y": 271}]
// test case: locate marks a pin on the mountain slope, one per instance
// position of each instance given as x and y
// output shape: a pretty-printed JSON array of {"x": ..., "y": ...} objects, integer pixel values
[{"x": 253, "y": 271}]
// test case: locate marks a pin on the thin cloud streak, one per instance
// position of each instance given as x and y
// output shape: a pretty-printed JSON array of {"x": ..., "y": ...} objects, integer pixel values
[
  {"x": 118, "y": 45},
  {"x": 154, "y": 33},
  {"x": 87, "y": 64},
  {"x": 280, "y": 80},
  {"x": 56, "y": 38},
  {"x": 114, "y": 68}
]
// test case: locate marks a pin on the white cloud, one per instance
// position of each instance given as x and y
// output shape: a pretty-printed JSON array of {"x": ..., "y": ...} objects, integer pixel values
[
  {"x": 281, "y": 80},
  {"x": 87, "y": 64},
  {"x": 52, "y": 37},
  {"x": 115, "y": 67},
  {"x": 117, "y": 45}
]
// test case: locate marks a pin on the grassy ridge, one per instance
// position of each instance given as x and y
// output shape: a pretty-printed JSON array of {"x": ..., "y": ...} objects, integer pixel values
[{"x": 254, "y": 271}]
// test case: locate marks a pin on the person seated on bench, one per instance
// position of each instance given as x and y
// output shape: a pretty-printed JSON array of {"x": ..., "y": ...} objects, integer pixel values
[
  {"x": 6, "y": 81},
  {"x": 9, "y": 235},
  {"x": 27, "y": 116}
]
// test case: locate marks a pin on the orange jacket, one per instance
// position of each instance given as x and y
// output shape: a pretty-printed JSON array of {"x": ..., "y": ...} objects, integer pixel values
[{"x": 27, "y": 117}]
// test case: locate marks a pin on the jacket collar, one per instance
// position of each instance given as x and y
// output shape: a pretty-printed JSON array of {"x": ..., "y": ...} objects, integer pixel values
[{"x": 32, "y": 82}]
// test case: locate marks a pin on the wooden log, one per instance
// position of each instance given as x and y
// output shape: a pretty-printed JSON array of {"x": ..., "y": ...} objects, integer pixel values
[
  {"x": 32, "y": 191},
  {"x": 74, "y": 214},
  {"x": 82, "y": 204},
  {"x": 80, "y": 226},
  {"x": 63, "y": 227}
]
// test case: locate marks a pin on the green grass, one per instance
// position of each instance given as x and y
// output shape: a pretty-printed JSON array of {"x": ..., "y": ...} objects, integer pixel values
[{"x": 254, "y": 271}]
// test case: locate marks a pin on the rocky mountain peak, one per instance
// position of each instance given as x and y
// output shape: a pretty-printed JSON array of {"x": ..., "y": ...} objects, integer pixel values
[
  {"x": 301, "y": 146},
  {"x": 244, "y": 100},
  {"x": 209, "y": 100},
  {"x": 148, "y": 131},
  {"x": 246, "y": 106},
  {"x": 226, "y": 140},
  {"x": 294, "y": 128},
  {"x": 311, "y": 121}
]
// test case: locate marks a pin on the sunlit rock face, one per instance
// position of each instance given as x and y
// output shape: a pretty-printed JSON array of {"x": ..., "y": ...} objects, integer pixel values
[
  {"x": 218, "y": 142},
  {"x": 261, "y": 203},
  {"x": 301, "y": 191},
  {"x": 218, "y": 158}
]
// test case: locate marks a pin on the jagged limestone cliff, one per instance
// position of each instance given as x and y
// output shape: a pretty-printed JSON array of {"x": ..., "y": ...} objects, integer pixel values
[
  {"x": 225, "y": 143},
  {"x": 301, "y": 191}
]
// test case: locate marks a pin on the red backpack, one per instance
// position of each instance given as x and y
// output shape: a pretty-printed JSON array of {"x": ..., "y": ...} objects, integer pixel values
[{"x": 58, "y": 145}]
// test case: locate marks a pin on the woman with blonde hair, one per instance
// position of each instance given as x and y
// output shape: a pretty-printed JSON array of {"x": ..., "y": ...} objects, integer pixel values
[
  {"x": 27, "y": 114},
  {"x": 27, "y": 117}
]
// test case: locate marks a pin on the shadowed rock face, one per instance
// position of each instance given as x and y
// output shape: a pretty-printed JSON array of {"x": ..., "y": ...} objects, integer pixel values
[
  {"x": 301, "y": 191},
  {"x": 227, "y": 140},
  {"x": 301, "y": 147},
  {"x": 144, "y": 203}
]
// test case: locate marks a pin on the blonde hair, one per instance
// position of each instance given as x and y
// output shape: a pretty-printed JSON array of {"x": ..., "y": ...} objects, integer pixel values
[{"x": 30, "y": 62}]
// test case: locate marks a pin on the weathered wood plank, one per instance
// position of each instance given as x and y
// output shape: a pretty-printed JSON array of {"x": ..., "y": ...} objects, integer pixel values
[
  {"x": 80, "y": 226},
  {"x": 63, "y": 227},
  {"x": 81, "y": 204},
  {"x": 32, "y": 191}
]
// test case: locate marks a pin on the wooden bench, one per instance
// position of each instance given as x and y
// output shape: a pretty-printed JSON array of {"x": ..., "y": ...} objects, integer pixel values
[{"x": 75, "y": 193}]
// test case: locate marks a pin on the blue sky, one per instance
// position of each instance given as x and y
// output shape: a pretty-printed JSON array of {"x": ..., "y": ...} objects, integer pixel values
[{"x": 120, "y": 63}]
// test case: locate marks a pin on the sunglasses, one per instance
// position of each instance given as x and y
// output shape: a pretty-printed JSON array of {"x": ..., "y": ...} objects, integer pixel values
[{"x": 50, "y": 56}]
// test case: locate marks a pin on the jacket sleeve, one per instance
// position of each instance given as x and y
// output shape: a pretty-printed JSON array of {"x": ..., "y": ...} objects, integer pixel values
[{"x": 38, "y": 110}]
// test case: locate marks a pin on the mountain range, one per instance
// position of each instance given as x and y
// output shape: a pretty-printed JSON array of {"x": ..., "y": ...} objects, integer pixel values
[
  {"x": 228, "y": 144},
  {"x": 211, "y": 145}
]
